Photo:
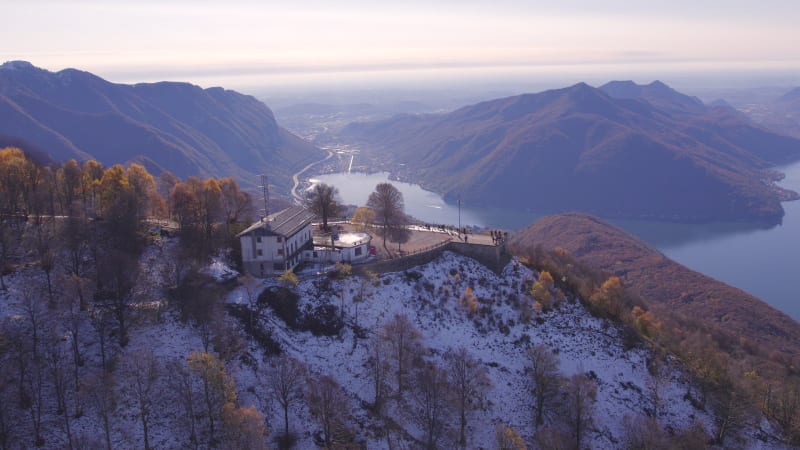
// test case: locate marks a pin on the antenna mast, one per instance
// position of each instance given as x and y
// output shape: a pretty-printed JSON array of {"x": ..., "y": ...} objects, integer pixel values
[{"x": 265, "y": 190}]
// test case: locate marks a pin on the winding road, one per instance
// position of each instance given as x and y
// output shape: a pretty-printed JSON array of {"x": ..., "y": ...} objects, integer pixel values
[{"x": 296, "y": 176}]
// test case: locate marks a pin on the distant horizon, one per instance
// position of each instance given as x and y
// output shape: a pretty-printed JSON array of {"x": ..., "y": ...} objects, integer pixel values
[
  {"x": 311, "y": 44},
  {"x": 509, "y": 80}
]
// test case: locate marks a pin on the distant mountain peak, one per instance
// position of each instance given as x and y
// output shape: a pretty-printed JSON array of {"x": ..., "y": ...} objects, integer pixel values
[
  {"x": 17, "y": 65},
  {"x": 657, "y": 93},
  {"x": 660, "y": 84},
  {"x": 622, "y": 89}
]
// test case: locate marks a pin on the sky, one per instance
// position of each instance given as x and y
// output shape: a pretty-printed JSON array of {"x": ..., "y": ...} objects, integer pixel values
[{"x": 354, "y": 42}]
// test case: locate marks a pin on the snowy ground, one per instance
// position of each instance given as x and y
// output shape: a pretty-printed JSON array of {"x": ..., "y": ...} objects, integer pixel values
[
  {"x": 584, "y": 344},
  {"x": 431, "y": 301}
]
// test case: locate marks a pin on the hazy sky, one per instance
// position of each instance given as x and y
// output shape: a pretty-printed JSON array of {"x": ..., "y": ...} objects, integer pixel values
[{"x": 299, "y": 42}]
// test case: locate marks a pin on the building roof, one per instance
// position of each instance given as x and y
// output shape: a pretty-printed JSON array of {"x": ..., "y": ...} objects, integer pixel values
[
  {"x": 283, "y": 223},
  {"x": 345, "y": 240}
]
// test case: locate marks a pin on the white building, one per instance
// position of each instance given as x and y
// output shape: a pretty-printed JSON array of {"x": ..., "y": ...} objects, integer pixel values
[
  {"x": 345, "y": 247},
  {"x": 276, "y": 244}
]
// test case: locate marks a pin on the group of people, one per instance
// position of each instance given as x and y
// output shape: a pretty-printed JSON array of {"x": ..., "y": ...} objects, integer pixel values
[{"x": 498, "y": 237}]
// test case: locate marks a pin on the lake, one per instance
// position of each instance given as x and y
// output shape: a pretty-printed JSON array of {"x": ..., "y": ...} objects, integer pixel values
[{"x": 764, "y": 261}]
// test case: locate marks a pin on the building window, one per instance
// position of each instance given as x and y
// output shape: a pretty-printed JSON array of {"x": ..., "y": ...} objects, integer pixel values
[
  {"x": 258, "y": 239},
  {"x": 280, "y": 239},
  {"x": 358, "y": 251},
  {"x": 280, "y": 251},
  {"x": 315, "y": 254},
  {"x": 260, "y": 253}
]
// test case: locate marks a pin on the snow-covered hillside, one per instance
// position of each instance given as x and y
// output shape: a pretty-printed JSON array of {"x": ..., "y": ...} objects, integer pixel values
[
  {"x": 454, "y": 302},
  {"x": 431, "y": 298}
]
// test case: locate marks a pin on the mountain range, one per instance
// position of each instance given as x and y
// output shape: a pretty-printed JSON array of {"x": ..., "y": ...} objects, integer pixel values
[
  {"x": 620, "y": 150},
  {"x": 170, "y": 126}
]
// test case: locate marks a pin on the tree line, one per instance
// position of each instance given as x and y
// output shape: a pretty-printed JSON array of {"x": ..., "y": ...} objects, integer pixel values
[
  {"x": 76, "y": 233},
  {"x": 735, "y": 380}
]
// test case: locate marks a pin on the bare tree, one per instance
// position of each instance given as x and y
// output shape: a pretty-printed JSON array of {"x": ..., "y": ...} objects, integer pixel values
[
  {"x": 17, "y": 343},
  {"x": 60, "y": 378},
  {"x": 554, "y": 437},
  {"x": 73, "y": 291},
  {"x": 644, "y": 433},
  {"x": 581, "y": 395},
  {"x": 218, "y": 388},
  {"x": 252, "y": 289},
  {"x": 46, "y": 252},
  {"x": 9, "y": 239},
  {"x": 164, "y": 183},
  {"x": 387, "y": 202},
  {"x": 544, "y": 381},
  {"x": 101, "y": 322},
  {"x": 431, "y": 397},
  {"x": 731, "y": 413},
  {"x": 404, "y": 342},
  {"x": 655, "y": 384},
  {"x": 328, "y": 404},
  {"x": 469, "y": 382},
  {"x": 119, "y": 272},
  {"x": 400, "y": 233},
  {"x": 75, "y": 236},
  {"x": 184, "y": 386},
  {"x": 7, "y": 425},
  {"x": 285, "y": 381},
  {"x": 102, "y": 398},
  {"x": 782, "y": 404},
  {"x": 142, "y": 371},
  {"x": 378, "y": 364},
  {"x": 35, "y": 389},
  {"x": 321, "y": 200},
  {"x": 35, "y": 325}
]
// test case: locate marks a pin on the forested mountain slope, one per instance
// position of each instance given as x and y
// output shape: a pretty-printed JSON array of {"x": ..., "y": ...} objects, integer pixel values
[
  {"x": 663, "y": 281},
  {"x": 579, "y": 148},
  {"x": 170, "y": 126}
]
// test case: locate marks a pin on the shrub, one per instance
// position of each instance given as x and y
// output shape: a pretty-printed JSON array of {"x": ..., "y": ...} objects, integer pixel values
[
  {"x": 324, "y": 320},
  {"x": 412, "y": 275},
  {"x": 261, "y": 336},
  {"x": 341, "y": 271},
  {"x": 284, "y": 302}
]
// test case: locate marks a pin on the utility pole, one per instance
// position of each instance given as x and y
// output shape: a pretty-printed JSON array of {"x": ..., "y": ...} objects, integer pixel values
[
  {"x": 459, "y": 216},
  {"x": 265, "y": 190}
]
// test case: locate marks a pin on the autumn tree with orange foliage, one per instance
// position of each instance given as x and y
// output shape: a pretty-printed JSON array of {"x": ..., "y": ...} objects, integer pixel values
[
  {"x": 542, "y": 291},
  {"x": 721, "y": 361},
  {"x": 607, "y": 298},
  {"x": 243, "y": 428}
]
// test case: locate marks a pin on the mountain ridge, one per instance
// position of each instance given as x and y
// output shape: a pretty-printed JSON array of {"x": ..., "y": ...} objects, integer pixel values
[
  {"x": 173, "y": 126},
  {"x": 665, "y": 282},
  {"x": 618, "y": 157}
]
